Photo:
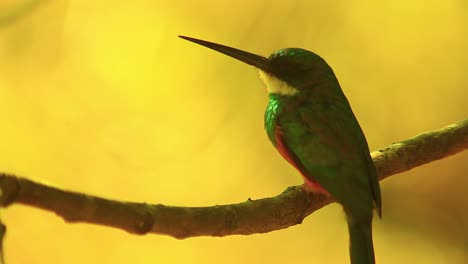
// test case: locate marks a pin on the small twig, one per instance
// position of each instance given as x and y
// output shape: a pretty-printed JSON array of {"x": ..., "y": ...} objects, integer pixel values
[
  {"x": 2, "y": 236},
  {"x": 19, "y": 11},
  {"x": 249, "y": 217}
]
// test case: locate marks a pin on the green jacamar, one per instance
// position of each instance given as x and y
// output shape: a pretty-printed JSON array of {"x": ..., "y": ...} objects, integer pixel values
[{"x": 310, "y": 122}]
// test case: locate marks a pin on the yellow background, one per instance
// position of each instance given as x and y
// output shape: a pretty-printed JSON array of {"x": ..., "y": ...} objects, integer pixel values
[{"x": 102, "y": 97}]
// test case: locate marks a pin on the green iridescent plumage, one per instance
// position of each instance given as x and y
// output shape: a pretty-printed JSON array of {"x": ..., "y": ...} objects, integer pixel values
[
  {"x": 310, "y": 122},
  {"x": 323, "y": 136}
]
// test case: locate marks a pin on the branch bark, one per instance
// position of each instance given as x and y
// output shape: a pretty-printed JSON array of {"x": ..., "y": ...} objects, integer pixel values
[{"x": 249, "y": 217}]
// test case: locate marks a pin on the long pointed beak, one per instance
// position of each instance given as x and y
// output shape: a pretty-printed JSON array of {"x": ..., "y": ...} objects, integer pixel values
[{"x": 255, "y": 60}]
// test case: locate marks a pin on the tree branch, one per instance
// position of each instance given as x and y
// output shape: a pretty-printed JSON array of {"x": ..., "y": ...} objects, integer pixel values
[{"x": 250, "y": 217}]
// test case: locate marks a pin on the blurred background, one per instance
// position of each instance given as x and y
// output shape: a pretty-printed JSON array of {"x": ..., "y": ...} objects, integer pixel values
[{"x": 102, "y": 97}]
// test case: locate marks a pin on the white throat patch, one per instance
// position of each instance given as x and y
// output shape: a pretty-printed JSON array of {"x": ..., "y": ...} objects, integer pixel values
[{"x": 275, "y": 85}]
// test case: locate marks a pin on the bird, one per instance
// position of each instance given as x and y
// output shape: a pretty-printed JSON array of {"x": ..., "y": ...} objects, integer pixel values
[{"x": 310, "y": 122}]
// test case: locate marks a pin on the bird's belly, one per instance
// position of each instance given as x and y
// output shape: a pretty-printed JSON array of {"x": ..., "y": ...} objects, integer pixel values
[
  {"x": 314, "y": 186},
  {"x": 310, "y": 184}
]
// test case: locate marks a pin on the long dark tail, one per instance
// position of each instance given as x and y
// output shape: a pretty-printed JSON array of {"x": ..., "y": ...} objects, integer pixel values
[{"x": 361, "y": 248}]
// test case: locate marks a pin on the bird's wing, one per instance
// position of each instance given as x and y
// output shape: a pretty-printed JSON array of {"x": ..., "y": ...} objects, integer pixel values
[{"x": 329, "y": 147}]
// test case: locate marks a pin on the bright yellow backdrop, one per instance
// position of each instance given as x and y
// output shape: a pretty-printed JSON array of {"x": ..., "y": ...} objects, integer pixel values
[{"x": 102, "y": 97}]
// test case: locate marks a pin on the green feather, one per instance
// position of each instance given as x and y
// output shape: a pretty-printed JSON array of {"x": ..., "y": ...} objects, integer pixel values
[{"x": 326, "y": 140}]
